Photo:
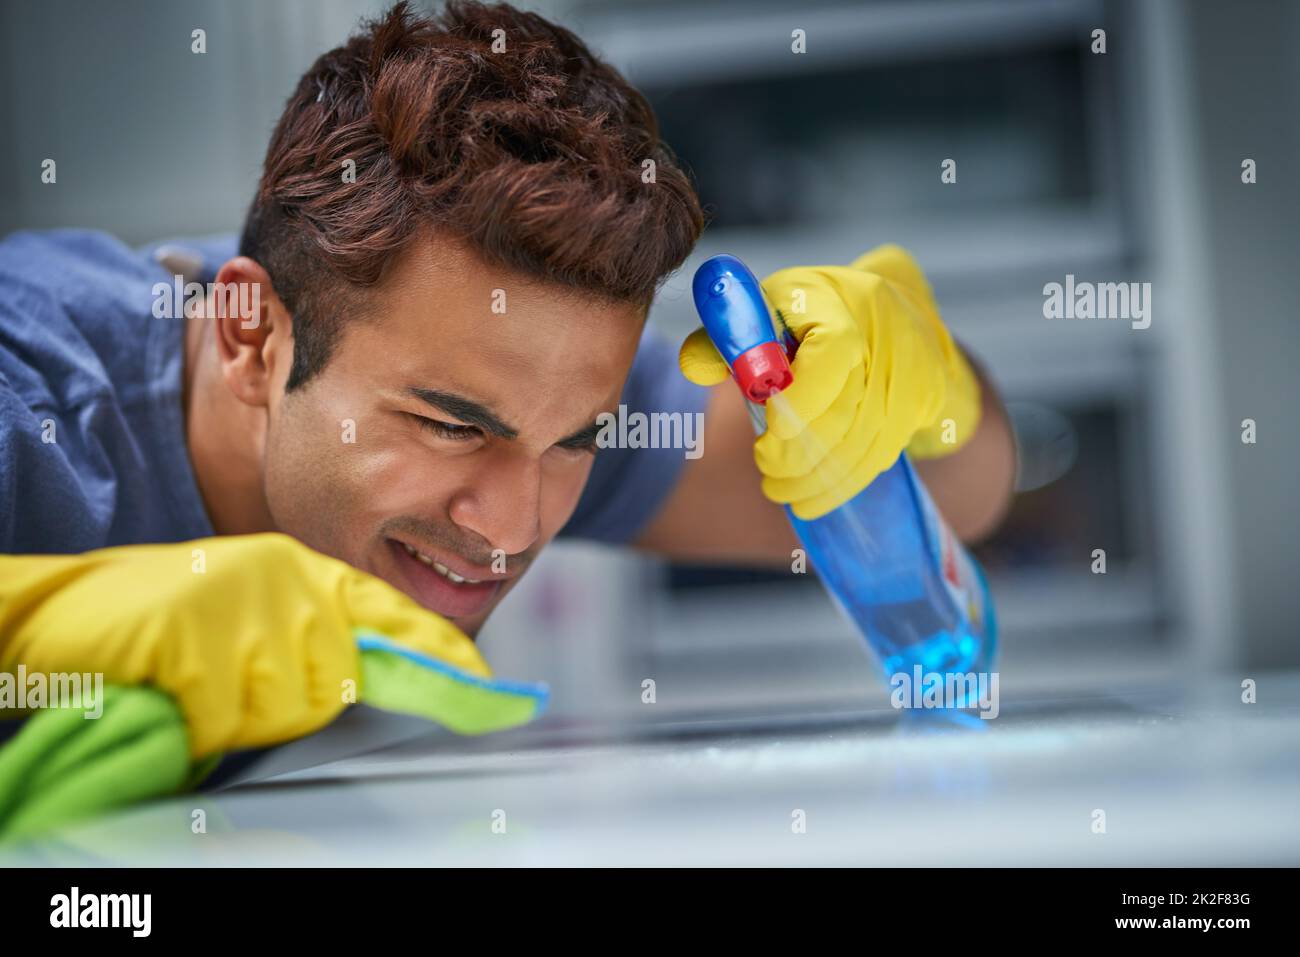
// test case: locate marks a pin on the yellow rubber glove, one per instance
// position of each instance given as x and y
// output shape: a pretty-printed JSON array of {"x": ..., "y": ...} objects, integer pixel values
[
  {"x": 257, "y": 638},
  {"x": 876, "y": 373}
]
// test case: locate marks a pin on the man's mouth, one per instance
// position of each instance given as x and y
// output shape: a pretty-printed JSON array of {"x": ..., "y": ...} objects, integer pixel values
[
  {"x": 431, "y": 581},
  {"x": 438, "y": 567}
]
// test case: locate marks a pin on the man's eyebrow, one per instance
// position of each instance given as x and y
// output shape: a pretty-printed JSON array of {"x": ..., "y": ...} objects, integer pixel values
[
  {"x": 466, "y": 410},
  {"x": 583, "y": 438}
]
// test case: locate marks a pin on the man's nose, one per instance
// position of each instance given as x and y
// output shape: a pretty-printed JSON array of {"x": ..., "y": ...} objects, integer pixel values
[{"x": 501, "y": 501}]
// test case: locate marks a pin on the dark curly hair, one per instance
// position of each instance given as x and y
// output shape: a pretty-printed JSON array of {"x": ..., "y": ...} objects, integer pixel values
[{"x": 533, "y": 155}]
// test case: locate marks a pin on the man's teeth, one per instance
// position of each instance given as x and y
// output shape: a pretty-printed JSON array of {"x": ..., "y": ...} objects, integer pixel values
[{"x": 439, "y": 567}]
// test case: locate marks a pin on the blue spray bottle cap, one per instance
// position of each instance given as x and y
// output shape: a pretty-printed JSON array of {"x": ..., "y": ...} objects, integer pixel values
[{"x": 730, "y": 302}]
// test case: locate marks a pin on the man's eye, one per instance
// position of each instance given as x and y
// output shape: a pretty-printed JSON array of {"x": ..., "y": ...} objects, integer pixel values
[
  {"x": 586, "y": 446},
  {"x": 447, "y": 430}
]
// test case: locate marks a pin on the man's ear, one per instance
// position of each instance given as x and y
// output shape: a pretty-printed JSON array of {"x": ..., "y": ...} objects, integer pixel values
[{"x": 254, "y": 331}]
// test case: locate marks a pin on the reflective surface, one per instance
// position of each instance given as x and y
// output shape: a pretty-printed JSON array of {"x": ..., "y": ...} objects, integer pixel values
[{"x": 1183, "y": 776}]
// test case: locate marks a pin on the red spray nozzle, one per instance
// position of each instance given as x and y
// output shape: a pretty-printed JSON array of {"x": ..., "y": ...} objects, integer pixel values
[{"x": 762, "y": 371}]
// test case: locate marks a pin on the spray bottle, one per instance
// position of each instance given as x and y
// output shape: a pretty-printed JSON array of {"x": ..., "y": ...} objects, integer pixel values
[{"x": 886, "y": 556}]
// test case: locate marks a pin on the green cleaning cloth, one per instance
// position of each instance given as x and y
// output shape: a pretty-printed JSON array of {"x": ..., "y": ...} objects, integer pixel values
[{"x": 61, "y": 766}]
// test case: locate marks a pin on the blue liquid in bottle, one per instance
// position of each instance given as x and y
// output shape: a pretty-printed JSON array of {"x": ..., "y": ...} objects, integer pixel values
[{"x": 886, "y": 556}]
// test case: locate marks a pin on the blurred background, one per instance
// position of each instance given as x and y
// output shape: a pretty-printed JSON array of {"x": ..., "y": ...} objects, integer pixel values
[{"x": 1121, "y": 166}]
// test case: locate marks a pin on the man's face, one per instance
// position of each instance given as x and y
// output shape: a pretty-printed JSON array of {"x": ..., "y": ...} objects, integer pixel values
[{"x": 444, "y": 440}]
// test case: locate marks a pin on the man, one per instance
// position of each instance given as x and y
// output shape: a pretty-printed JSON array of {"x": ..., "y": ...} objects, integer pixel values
[{"x": 442, "y": 283}]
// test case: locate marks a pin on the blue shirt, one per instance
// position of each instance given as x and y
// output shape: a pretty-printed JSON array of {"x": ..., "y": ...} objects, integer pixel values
[{"x": 92, "y": 439}]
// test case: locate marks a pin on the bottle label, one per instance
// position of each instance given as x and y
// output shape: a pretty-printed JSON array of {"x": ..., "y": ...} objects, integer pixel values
[{"x": 956, "y": 568}]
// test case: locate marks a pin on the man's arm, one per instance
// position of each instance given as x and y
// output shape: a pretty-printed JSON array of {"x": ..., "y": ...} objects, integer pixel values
[{"x": 717, "y": 512}]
